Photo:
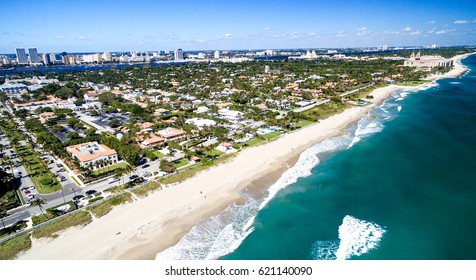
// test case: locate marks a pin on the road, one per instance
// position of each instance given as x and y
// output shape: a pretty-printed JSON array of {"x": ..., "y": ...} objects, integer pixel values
[{"x": 69, "y": 187}]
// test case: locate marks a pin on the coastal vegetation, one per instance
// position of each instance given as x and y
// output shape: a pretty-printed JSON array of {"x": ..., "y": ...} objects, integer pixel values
[
  {"x": 9, "y": 249},
  {"x": 79, "y": 218}
]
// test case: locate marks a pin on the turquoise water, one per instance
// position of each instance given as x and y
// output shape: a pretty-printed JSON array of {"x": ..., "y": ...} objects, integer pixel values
[{"x": 399, "y": 185}]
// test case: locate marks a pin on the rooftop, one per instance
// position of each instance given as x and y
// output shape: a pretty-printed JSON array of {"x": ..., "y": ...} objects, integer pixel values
[{"x": 89, "y": 151}]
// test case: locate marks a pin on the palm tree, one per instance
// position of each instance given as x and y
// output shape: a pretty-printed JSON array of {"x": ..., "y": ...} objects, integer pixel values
[
  {"x": 128, "y": 169},
  {"x": 3, "y": 214},
  {"x": 15, "y": 142},
  {"x": 119, "y": 173},
  {"x": 39, "y": 202}
]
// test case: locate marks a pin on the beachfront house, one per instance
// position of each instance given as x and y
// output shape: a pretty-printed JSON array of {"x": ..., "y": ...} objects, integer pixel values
[{"x": 226, "y": 148}]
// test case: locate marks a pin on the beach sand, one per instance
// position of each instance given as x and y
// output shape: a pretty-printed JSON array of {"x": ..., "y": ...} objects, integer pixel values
[{"x": 141, "y": 229}]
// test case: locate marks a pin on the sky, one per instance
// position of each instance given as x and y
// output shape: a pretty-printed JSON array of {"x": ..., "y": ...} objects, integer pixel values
[{"x": 151, "y": 25}]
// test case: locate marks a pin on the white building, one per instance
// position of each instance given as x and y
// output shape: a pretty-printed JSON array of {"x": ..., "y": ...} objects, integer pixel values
[
  {"x": 420, "y": 61},
  {"x": 178, "y": 54},
  {"x": 93, "y": 155},
  {"x": 230, "y": 115},
  {"x": 216, "y": 55},
  {"x": 200, "y": 123}
]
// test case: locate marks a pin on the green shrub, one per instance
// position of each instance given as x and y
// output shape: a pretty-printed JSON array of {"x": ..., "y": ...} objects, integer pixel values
[{"x": 45, "y": 181}]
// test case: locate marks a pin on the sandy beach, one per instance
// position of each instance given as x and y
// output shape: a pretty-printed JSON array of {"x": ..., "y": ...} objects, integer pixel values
[{"x": 141, "y": 229}]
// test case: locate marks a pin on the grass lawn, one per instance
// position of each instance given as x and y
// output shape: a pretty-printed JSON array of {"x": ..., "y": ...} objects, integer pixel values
[
  {"x": 180, "y": 163},
  {"x": 214, "y": 153},
  {"x": 109, "y": 168},
  {"x": 159, "y": 154},
  {"x": 253, "y": 141},
  {"x": 303, "y": 123},
  {"x": 37, "y": 170},
  {"x": 272, "y": 135}
]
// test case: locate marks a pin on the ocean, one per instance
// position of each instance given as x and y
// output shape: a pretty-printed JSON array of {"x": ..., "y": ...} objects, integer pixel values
[{"x": 399, "y": 185}]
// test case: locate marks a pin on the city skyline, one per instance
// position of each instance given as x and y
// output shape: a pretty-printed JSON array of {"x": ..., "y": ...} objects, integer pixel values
[{"x": 52, "y": 27}]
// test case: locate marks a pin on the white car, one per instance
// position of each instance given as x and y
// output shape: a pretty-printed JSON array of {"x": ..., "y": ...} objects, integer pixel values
[
  {"x": 31, "y": 187},
  {"x": 31, "y": 196},
  {"x": 112, "y": 180}
]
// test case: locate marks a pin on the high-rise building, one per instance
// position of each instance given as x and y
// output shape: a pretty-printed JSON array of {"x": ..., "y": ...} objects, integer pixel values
[
  {"x": 46, "y": 59},
  {"x": 34, "y": 59},
  {"x": 217, "y": 54},
  {"x": 53, "y": 58},
  {"x": 21, "y": 56},
  {"x": 178, "y": 54},
  {"x": 106, "y": 56}
]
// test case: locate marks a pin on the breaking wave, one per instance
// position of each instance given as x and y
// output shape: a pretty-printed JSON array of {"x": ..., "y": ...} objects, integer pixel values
[{"x": 356, "y": 237}]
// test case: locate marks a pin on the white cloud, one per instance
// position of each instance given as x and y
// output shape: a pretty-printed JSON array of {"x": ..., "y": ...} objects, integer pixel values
[
  {"x": 460, "y": 22},
  {"x": 363, "y": 33},
  {"x": 312, "y": 34},
  {"x": 432, "y": 22},
  {"x": 407, "y": 29},
  {"x": 228, "y": 35},
  {"x": 59, "y": 37},
  {"x": 268, "y": 29},
  {"x": 362, "y": 28},
  {"x": 444, "y": 31},
  {"x": 474, "y": 20},
  {"x": 340, "y": 33},
  {"x": 418, "y": 32},
  {"x": 82, "y": 37}
]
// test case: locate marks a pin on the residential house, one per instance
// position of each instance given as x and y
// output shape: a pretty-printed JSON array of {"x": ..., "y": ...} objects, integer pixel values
[
  {"x": 46, "y": 116},
  {"x": 226, "y": 148},
  {"x": 151, "y": 141},
  {"x": 230, "y": 115},
  {"x": 171, "y": 133},
  {"x": 147, "y": 126}
]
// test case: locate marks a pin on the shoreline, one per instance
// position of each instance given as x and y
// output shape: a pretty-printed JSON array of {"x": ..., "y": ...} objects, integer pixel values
[{"x": 141, "y": 229}]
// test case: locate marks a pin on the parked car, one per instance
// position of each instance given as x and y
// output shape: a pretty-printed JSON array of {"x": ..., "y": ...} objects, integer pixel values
[
  {"x": 90, "y": 192},
  {"x": 31, "y": 187},
  {"x": 133, "y": 177},
  {"x": 146, "y": 165},
  {"x": 31, "y": 196},
  {"x": 27, "y": 192},
  {"x": 78, "y": 197}
]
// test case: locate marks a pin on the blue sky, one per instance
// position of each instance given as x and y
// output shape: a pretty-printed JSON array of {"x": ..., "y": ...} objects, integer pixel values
[{"x": 141, "y": 25}]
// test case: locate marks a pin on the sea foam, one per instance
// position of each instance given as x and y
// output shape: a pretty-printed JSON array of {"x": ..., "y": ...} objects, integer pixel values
[{"x": 356, "y": 237}]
